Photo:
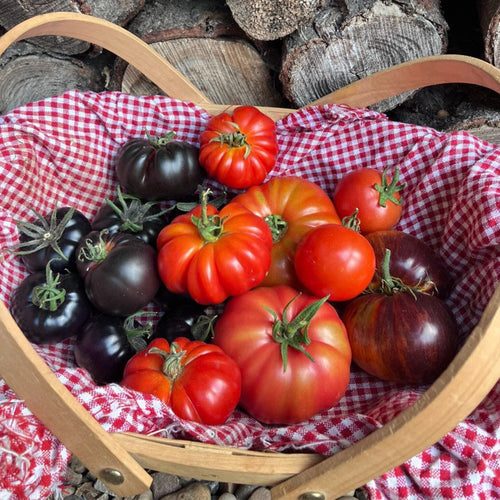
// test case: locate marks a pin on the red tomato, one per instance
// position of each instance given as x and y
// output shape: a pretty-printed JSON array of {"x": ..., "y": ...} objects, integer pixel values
[
  {"x": 197, "y": 380},
  {"x": 335, "y": 260},
  {"x": 376, "y": 197},
  {"x": 289, "y": 371},
  {"x": 212, "y": 255},
  {"x": 239, "y": 150},
  {"x": 292, "y": 206}
]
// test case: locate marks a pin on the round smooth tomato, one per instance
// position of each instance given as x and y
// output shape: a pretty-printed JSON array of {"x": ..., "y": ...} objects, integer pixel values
[
  {"x": 211, "y": 254},
  {"x": 292, "y": 350},
  {"x": 335, "y": 260},
  {"x": 119, "y": 271},
  {"x": 198, "y": 381},
  {"x": 375, "y": 197},
  {"x": 239, "y": 149},
  {"x": 291, "y": 206}
]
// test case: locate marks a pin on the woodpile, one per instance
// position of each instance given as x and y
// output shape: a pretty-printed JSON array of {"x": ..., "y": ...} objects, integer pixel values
[{"x": 265, "y": 52}]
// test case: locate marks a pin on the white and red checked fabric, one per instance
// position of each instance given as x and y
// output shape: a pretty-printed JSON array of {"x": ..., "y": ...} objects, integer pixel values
[{"x": 61, "y": 150}]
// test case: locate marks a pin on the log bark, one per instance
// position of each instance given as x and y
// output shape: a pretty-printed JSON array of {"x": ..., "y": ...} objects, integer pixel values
[
  {"x": 351, "y": 39},
  {"x": 29, "y": 74},
  {"x": 272, "y": 19},
  {"x": 117, "y": 11},
  {"x": 454, "y": 107},
  {"x": 202, "y": 41},
  {"x": 489, "y": 18}
]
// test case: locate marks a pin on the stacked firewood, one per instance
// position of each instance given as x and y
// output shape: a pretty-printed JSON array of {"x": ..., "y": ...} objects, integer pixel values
[{"x": 264, "y": 52}]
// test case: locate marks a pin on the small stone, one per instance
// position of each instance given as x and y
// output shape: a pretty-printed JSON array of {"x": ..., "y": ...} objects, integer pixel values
[
  {"x": 346, "y": 497},
  {"x": 86, "y": 491},
  {"x": 102, "y": 488},
  {"x": 193, "y": 491},
  {"x": 147, "y": 495},
  {"x": 244, "y": 491},
  {"x": 76, "y": 465},
  {"x": 227, "y": 496},
  {"x": 164, "y": 483},
  {"x": 73, "y": 478},
  {"x": 261, "y": 494},
  {"x": 213, "y": 486}
]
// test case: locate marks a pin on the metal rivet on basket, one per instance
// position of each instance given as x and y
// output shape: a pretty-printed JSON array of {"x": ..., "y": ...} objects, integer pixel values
[
  {"x": 112, "y": 476},
  {"x": 312, "y": 495}
]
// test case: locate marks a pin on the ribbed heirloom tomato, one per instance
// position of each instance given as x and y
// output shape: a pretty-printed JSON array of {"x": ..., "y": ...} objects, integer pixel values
[
  {"x": 292, "y": 206},
  {"x": 197, "y": 380},
  {"x": 212, "y": 255},
  {"x": 292, "y": 350},
  {"x": 239, "y": 149}
]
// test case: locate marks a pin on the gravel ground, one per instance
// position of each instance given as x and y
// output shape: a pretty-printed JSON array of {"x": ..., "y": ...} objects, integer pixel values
[{"x": 80, "y": 484}]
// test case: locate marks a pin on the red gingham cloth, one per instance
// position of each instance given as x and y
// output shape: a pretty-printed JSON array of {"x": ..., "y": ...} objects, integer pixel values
[{"x": 61, "y": 150}]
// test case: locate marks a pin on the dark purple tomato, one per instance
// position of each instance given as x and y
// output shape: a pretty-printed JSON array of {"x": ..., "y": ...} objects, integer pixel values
[
  {"x": 50, "y": 307},
  {"x": 119, "y": 272},
  {"x": 53, "y": 238},
  {"x": 105, "y": 344},
  {"x": 412, "y": 261},
  {"x": 128, "y": 214},
  {"x": 159, "y": 168},
  {"x": 407, "y": 337},
  {"x": 184, "y": 320}
]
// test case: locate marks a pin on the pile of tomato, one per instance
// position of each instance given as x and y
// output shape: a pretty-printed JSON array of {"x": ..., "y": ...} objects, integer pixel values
[{"x": 304, "y": 285}]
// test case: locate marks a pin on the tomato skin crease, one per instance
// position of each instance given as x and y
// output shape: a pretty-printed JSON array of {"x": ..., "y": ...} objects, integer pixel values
[
  {"x": 302, "y": 205},
  {"x": 239, "y": 149},
  {"x": 211, "y": 271}
]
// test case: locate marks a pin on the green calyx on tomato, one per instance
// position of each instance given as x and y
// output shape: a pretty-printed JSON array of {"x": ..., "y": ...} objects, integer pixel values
[
  {"x": 46, "y": 233},
  {"x": 172, "y": 366},
  {"x": 210, "y": 227},
  {"x": 132, "y": 212},
  {"x": 294, "y": 333},
  {"x": 277, "y": 225},
  {"x": 160, "y": 141},
  {"x": 137, "y": 333},
  {"x": 49, "y": 295},
  {"x": 352, "y": 221},
  {"x": 235, "y": 139},
  {"x": 94, "y": 252},
  {"x": 390, "y": 285},
  {"x": 387, "y": 190}
]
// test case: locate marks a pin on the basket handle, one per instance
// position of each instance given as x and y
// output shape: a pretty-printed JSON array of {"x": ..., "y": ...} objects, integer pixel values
[{"x": 411, "y": 75}]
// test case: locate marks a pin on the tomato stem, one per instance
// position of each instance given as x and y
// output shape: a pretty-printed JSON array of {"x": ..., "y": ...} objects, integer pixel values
[
  {"x": 49, "y": 295},
  {"x": 172, "y": 366},
  {"x": 235, "y": 139},
  {"x": 159, "y": 141},
  {"x": 137, "y": 334},
  {"x": 94, "y": 252},
  {"x": 294, "y": 333},
  {"x": 210, "y": 227},
  {"x": 387, "y": 191},
  {"x": 277, "y": 225},
  {"x": 133, "y": 214},
  {"x": 352, "y": 221}
]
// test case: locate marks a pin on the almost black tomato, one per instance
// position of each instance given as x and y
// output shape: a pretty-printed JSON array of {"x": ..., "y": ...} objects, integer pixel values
[
  {"x": 106, "y": 343},
  {"x": 159, "y": 168},
  {"x": 53, "y": 238},
  {"x": 128, "y": 214},
  {"x": 50, "y": 307},
  {"x": 119, "y": 272}
]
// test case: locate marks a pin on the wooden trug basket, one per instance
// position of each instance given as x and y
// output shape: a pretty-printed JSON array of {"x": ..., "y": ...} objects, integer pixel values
[{"x": 120, "y": 459}]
